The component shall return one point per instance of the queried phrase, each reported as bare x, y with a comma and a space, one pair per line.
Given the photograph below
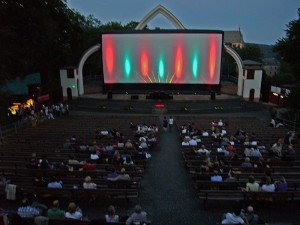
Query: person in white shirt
73, 212
235, 218
205, 133
171, 122
202, 150
268, 186
193, 142
88, 184
185, 142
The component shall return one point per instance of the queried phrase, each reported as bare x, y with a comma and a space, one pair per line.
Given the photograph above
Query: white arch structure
163, 11
149, 16
239, 63
84, 57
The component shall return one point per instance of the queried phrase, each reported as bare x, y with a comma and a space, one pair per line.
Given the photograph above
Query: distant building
234, 39
271, 66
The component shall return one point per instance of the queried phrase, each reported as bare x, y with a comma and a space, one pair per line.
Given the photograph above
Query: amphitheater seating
231, 191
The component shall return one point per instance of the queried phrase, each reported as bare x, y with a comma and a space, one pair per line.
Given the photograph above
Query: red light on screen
178, 62
212, 56
109, 58
144, 64
159, 106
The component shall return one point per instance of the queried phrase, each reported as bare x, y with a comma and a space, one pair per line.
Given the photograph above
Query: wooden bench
228, 195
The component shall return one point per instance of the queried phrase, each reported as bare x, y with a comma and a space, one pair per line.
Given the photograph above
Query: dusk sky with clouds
260, 21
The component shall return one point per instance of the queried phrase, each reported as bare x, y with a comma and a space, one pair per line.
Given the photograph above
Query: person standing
171, 122
165, 124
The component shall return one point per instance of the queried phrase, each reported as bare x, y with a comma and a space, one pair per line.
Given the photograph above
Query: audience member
113, 175
137, 216
216, 177
251, 217
281, 185
235, 218
55, 183
26, 210
89, 166
247, 163
268, 186
252, 185
111, 216
277, 149
73, 212
88, 184
55, 213
123, 175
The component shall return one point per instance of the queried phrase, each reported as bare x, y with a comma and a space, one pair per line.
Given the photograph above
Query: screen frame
146, 88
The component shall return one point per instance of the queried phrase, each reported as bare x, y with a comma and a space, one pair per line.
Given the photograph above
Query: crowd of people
42, 212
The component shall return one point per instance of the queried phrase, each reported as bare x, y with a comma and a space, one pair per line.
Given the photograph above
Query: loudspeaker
109, 95
134, 97
212, 95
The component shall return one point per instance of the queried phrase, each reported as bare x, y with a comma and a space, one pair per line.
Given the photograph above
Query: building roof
233, 37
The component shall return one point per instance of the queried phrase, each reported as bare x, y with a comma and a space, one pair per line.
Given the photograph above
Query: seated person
234, 218
55, 183
73, 212
88, 184
205, 133
250, 216
254, 152
193, 142
72, 160
231, 177
123, 175
281, 185
277, 149
94, 156
34, 162
113, 175
268, 186
111, 216
89, 166
185, 142
109, 149
55, 213
220, 123
203, 150
247, 163
129, 145
120, 144
128, 160
251, 185
137, 216
26, 210
216, 177
223, 150
103, 132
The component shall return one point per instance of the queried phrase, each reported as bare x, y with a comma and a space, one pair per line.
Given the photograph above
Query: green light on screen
127, 67
195, 66
73, 86
161, 68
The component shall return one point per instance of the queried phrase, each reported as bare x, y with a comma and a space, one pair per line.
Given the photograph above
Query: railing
13, 128
293, 125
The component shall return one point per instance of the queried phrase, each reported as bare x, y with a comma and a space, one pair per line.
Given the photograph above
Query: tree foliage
250, 52
44, 36
288, 47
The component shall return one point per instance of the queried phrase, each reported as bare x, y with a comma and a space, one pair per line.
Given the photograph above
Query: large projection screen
165, 60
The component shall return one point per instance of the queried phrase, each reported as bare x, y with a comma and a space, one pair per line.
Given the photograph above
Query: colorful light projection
169, 58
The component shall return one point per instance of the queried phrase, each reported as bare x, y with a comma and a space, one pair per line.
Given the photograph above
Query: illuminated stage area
168, 60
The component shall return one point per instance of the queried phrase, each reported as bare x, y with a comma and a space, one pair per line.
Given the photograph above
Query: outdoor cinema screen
174, 57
